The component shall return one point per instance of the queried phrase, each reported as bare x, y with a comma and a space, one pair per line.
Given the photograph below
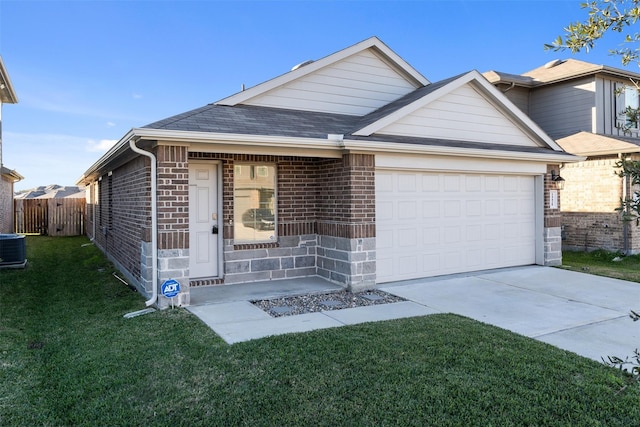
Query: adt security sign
170, 288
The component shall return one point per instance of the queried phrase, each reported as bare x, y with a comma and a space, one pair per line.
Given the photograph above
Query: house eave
313, 146
7, 93
601, 70
11, 175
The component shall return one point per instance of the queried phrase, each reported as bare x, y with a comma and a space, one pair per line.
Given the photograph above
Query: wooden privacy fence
53, 217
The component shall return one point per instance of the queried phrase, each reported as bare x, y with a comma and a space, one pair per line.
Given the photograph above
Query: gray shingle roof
252, 120
268, 121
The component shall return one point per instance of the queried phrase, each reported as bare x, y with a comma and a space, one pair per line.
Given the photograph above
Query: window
254, 202
631, 107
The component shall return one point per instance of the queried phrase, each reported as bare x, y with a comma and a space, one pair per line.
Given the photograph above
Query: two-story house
7, 176
583, 107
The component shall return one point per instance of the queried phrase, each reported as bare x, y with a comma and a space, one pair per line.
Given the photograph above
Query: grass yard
68, 357
602, 263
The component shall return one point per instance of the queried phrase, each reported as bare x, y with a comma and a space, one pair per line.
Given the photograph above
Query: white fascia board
491, 93
398, 148
223, 141
118, 148
176, 136
609, 152
373, 42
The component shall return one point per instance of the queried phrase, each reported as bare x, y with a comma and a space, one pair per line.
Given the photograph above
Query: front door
204, 231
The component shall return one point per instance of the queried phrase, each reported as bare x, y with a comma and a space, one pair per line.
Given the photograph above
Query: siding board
463, 114
564, 108
340, 88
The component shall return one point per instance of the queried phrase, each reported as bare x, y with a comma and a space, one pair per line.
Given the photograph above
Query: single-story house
353, 167
8, 177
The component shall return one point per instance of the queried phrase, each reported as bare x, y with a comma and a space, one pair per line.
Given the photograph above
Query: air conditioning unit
13, 251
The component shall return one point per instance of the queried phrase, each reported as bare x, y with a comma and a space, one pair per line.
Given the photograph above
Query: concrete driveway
582, 313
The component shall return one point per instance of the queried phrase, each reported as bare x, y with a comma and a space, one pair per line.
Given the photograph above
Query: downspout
154, 220
625, 224
513, 84
95, 205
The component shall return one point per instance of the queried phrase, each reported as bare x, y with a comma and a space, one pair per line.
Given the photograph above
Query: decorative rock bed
290, 306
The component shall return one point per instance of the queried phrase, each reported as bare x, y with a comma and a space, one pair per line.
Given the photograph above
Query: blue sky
86, 72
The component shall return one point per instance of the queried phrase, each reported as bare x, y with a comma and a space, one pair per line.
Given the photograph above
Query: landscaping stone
289, 306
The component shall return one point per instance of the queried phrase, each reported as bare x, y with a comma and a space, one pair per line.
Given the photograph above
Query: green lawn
602, 263
68, 357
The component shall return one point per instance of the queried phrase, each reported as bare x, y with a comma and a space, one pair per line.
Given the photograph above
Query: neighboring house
354, 168
52, 191
7, 176
582, 106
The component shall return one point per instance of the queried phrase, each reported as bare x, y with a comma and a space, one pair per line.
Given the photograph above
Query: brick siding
589, 220
173, 197
316, 198
122, 206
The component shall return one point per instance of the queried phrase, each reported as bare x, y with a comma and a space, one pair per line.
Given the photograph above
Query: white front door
204, 227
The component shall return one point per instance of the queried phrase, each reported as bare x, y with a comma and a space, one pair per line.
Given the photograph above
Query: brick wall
317, 199
591, 195
173, 197
122, 205
346, 204
586, 231
591, 186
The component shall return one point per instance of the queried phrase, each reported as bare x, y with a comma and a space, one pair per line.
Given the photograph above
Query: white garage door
429, 224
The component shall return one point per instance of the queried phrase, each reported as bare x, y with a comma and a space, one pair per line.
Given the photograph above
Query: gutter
154, 219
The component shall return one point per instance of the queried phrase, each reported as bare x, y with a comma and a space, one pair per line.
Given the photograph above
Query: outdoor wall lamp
558, 180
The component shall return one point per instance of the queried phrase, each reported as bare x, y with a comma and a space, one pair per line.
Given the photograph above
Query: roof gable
465, 108
354, 81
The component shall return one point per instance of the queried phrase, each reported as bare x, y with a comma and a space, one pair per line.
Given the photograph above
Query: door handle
214, 230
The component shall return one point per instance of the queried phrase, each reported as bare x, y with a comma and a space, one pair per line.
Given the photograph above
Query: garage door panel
408, 264
473, 183
452, 208
430, 261
431, 209
431, 183
384, 211
430, 236
408, 209
474, 208
474, 233
384, 182
407, 183
408, 238
451, 183
442, 223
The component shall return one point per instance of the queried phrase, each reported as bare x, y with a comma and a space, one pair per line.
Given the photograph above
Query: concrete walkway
582, 313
